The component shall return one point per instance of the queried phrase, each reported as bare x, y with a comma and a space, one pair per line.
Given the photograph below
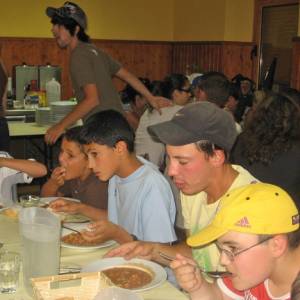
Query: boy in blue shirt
140, 200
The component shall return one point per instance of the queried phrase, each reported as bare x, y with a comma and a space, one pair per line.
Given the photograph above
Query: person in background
198, 140
269, 146
213, 87
258, 97
140, 201
91, 70
232, 103
257, 233
14, 171
246, 87
134, 104
176, 88
233, 99
4, 132
195, 88
73, 178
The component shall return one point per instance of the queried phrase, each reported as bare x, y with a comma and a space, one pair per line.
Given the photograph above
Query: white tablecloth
9, 235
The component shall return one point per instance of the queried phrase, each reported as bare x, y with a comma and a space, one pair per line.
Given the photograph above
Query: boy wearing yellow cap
257, 232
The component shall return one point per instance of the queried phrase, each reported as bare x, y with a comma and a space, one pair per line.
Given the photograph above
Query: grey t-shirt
90, 65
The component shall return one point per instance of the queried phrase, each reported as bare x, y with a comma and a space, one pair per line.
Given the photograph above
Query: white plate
47, 200
63, 103
160, 274
68, 218
85, 248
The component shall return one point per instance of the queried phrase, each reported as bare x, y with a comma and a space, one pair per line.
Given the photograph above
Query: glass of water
9, 271
29, 200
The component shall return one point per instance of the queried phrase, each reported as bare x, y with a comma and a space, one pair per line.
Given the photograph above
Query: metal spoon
212, 274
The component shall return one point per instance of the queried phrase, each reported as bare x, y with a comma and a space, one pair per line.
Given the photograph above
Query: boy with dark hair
140, 200
91, 70
73, 178
213, 87
257, 233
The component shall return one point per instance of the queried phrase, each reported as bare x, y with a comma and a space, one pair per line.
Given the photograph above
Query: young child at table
14, 171
140, 200
258, 236
73, 178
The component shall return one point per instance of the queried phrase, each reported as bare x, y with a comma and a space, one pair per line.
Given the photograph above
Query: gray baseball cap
196, 122
69, 10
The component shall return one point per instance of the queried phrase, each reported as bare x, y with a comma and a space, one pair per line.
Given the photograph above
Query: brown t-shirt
91, 191
90, 65
3, 82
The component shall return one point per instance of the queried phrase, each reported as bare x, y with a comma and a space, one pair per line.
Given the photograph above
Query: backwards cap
196, 122
69, 10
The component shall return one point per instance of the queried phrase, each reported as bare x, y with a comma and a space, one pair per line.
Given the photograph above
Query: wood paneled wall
295, 76
146, 59
230, 58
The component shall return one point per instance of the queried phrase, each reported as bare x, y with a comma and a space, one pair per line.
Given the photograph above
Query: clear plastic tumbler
40, 233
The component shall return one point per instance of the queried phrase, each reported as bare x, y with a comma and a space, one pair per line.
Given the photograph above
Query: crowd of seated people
154, 172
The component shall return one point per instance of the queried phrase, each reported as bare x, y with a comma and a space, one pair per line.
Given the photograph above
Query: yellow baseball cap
257, 208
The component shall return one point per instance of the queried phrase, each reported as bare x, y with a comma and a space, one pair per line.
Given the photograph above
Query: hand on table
63, 205
130, 250
101, 230
53, 133
187, 273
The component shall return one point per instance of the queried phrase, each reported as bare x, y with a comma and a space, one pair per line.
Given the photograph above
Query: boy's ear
279, 244
77, 28
121, 147
218, 158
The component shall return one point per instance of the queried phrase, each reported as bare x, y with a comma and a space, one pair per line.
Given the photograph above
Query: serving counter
9, 235
22, 129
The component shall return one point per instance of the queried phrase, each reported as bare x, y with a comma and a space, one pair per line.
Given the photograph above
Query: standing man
91, 70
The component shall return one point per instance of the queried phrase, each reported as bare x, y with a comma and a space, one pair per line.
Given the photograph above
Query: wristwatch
134, 237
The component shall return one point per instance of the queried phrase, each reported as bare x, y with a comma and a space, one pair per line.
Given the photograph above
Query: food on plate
11, 213
76, 239
77, 218
129, 276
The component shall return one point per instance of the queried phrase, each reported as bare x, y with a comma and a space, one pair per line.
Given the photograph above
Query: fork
72, 229
212, 274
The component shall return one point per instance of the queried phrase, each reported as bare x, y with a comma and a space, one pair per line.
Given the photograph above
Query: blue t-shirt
143, 204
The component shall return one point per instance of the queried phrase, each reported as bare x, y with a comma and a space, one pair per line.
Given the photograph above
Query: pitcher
40, 233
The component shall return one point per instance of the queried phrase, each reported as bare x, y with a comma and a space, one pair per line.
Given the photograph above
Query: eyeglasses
188, 90
232, 255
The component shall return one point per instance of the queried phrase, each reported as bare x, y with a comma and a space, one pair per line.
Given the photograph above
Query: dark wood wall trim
295, 76
230, 58
152, 59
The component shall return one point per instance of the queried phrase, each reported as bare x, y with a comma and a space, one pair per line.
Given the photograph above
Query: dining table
10, 237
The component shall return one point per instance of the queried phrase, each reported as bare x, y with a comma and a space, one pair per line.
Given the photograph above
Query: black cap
196, 122
69, 10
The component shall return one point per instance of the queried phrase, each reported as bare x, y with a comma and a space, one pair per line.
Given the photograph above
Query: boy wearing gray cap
198, 141
91, 70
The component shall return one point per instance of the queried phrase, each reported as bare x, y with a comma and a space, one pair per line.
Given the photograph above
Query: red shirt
260, 292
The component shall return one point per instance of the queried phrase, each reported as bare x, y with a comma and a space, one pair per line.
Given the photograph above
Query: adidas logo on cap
243, 222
